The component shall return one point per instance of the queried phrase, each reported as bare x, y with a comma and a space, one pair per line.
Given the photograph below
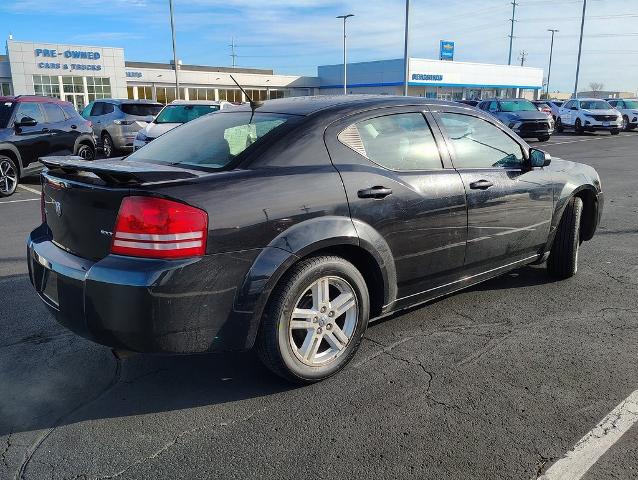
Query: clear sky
294, 36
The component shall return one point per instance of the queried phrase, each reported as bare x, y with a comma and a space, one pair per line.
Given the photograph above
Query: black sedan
289, 225
522, 116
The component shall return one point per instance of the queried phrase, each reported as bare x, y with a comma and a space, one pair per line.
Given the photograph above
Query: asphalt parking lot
497, 382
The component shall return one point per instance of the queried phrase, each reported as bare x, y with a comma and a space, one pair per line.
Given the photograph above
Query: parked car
628, 108
522, 116
471, 103
173, 115
116, 122
287, 226
589, 114
555, 106
34, 126
543, 107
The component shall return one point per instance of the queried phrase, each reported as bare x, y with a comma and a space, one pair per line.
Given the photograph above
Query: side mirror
539, 158
149, 118
26, 122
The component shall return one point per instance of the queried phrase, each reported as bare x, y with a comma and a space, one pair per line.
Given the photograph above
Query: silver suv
116, 122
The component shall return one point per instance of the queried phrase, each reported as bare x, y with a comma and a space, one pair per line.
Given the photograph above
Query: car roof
310, 105
32, 99
198, 102
120, 101
623, 98
590, 99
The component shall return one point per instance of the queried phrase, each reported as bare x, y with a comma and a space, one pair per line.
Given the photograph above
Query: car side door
510, 204
32, 141
95, 115
62, 139
403, 193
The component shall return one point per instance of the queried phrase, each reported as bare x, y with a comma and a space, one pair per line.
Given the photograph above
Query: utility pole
523, 57
580, 48
511, 35
345, 56
406, 58
551, 51
232, 50
170, 6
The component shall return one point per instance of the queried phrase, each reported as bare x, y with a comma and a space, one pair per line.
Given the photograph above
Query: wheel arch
12, 152
589, 221
319, 236
83, 140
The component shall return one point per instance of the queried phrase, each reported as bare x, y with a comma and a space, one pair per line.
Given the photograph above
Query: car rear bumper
144, 305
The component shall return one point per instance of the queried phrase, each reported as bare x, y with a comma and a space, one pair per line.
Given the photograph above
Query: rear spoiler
118, 171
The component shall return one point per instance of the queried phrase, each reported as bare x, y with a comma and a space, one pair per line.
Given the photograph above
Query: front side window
141, 109
479, 144
631, 104
212, 141
184, 113
398, 142
6, 108
29, 110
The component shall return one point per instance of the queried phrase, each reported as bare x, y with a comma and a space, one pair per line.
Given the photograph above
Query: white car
175, 114
628, 107
589, 114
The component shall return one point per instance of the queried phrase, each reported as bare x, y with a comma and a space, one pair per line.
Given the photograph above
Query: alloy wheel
323, 321
85, 152
8, 178
625, 123
107, 146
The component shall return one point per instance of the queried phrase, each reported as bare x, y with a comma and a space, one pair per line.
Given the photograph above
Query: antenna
232, 51
523, 57
253, 104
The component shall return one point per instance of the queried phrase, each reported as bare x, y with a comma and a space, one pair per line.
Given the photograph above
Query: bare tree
596, 86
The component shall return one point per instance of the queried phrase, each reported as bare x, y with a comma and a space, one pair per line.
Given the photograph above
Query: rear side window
398, 142
107, 108
212, 142
479, 144
53, 112
30, 110
141, 109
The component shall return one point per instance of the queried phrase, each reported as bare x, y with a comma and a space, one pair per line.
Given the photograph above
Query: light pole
170, 6
406, 59
580, 48
551, 52
345, 58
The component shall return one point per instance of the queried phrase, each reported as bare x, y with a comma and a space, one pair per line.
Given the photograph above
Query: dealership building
80, 74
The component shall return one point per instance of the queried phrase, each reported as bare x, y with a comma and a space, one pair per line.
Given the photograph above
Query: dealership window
5, 89
167, 94
98, 87
201, 94
46, 85
72, 84
258, 95
144, 93
230, 95
276, 94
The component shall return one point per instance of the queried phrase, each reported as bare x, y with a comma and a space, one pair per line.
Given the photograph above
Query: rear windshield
211, 142
141, 109
5, 113
518, 106
184, 113
594, 105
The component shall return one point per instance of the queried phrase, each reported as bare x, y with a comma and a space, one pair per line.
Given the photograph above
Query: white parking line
29, 189
581, 140
592, 446
16, 201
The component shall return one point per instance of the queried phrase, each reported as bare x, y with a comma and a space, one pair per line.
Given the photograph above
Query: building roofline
197, 68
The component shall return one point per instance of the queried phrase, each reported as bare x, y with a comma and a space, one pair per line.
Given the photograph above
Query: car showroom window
53, 112
479, 144
31, 110
398, 142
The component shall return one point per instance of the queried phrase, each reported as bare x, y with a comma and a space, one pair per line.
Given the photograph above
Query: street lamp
345, 63
406, 60
551, 51
170, 6
580, 48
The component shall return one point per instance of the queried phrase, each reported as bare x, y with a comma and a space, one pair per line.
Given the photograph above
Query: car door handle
374, 192
481, 185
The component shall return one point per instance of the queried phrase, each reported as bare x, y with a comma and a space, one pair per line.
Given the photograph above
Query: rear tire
544, 138
107, 145
615, 132
563, 257
319, 342
559, 125
87, 152
625, 123
9, 176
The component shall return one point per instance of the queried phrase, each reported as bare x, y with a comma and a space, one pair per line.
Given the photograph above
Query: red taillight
158, 228
90, 123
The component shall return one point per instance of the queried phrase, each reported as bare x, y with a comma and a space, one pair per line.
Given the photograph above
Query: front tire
563, 257
544, 138
559, 125
578, 127
85, 151
625, 123
615, 132
9, 176
315, 320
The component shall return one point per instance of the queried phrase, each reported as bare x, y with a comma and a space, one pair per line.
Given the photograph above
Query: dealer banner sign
67, 60
446, 50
